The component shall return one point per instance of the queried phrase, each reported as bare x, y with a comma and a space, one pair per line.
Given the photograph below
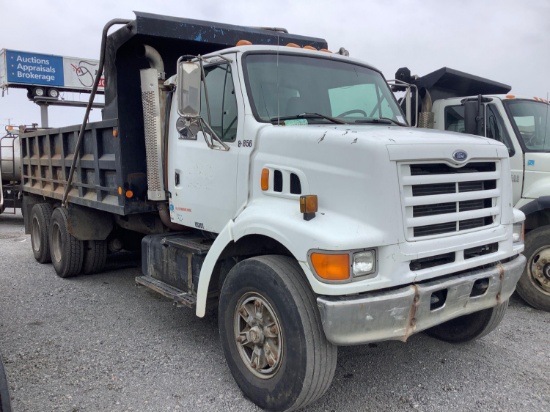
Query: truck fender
252, 221
536, 205
222, 240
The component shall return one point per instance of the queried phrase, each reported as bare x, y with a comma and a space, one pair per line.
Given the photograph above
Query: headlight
518, 233
342, 266
364, 263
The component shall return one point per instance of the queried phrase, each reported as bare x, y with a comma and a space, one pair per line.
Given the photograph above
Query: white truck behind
277, 182
461, 102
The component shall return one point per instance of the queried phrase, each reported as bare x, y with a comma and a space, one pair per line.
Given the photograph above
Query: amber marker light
308, 206
129, 194
119, 190
265, 179
244, 43
310, 48
325, 50
510, 96
331, 266
293, 45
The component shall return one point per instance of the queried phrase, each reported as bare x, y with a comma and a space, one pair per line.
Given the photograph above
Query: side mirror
188, 89
474, 117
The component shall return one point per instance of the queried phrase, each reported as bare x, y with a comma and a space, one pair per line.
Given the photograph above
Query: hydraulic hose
76, 156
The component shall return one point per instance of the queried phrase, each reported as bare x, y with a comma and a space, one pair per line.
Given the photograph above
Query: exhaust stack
152, 120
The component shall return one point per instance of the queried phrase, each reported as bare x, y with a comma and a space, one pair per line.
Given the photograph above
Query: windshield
531, 123
328, 90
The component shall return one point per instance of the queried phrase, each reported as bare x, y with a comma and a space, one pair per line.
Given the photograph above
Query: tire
41, 215
534, 284
5, 398
469, 327
66, 251
95, 255
298, 366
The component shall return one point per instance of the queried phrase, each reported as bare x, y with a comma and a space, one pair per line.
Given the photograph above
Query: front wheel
534, 284
272, 335
469, 327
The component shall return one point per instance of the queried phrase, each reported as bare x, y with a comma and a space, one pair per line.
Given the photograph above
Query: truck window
285, 85
494, 124
454, 118
531, 120
222, 101
359, 99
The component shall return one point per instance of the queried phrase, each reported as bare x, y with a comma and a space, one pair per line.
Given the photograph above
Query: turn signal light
331, 266
292, 45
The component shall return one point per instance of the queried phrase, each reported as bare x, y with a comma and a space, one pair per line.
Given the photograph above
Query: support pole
43, 114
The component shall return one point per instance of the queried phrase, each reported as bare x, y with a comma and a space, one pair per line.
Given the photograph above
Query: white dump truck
273, 180
465, 103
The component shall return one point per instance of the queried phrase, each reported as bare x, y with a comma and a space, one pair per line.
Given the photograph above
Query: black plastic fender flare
536, 205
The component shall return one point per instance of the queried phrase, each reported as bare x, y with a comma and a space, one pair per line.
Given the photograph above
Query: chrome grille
440, 199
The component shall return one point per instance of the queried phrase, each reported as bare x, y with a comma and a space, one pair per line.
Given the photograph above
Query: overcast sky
504, 40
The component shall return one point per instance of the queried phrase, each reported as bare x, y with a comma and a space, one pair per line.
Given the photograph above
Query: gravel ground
99, 343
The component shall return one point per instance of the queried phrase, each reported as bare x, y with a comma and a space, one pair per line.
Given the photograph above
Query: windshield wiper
308, 116
381, 120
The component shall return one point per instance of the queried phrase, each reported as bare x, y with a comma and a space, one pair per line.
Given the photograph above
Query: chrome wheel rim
258, 335
539, 269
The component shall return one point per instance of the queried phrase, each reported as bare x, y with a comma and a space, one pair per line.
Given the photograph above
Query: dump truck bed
104, 178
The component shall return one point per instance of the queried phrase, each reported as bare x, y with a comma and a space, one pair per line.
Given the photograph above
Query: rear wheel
95, 255
41, 214
469, 327
66, 251
272, 335
534, 284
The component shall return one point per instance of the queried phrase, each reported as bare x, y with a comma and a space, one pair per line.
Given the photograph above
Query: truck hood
355, 172
392, 135
401, 142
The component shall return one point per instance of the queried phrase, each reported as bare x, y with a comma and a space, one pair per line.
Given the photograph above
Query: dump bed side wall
47, 156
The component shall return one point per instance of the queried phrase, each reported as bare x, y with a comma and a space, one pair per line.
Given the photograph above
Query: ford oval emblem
460, 155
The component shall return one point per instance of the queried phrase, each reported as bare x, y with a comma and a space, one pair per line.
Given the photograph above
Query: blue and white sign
18, 69
32, 68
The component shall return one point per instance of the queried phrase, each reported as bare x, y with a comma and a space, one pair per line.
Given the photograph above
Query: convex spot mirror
188, 89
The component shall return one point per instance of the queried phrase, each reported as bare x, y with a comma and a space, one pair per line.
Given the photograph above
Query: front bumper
396, 314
